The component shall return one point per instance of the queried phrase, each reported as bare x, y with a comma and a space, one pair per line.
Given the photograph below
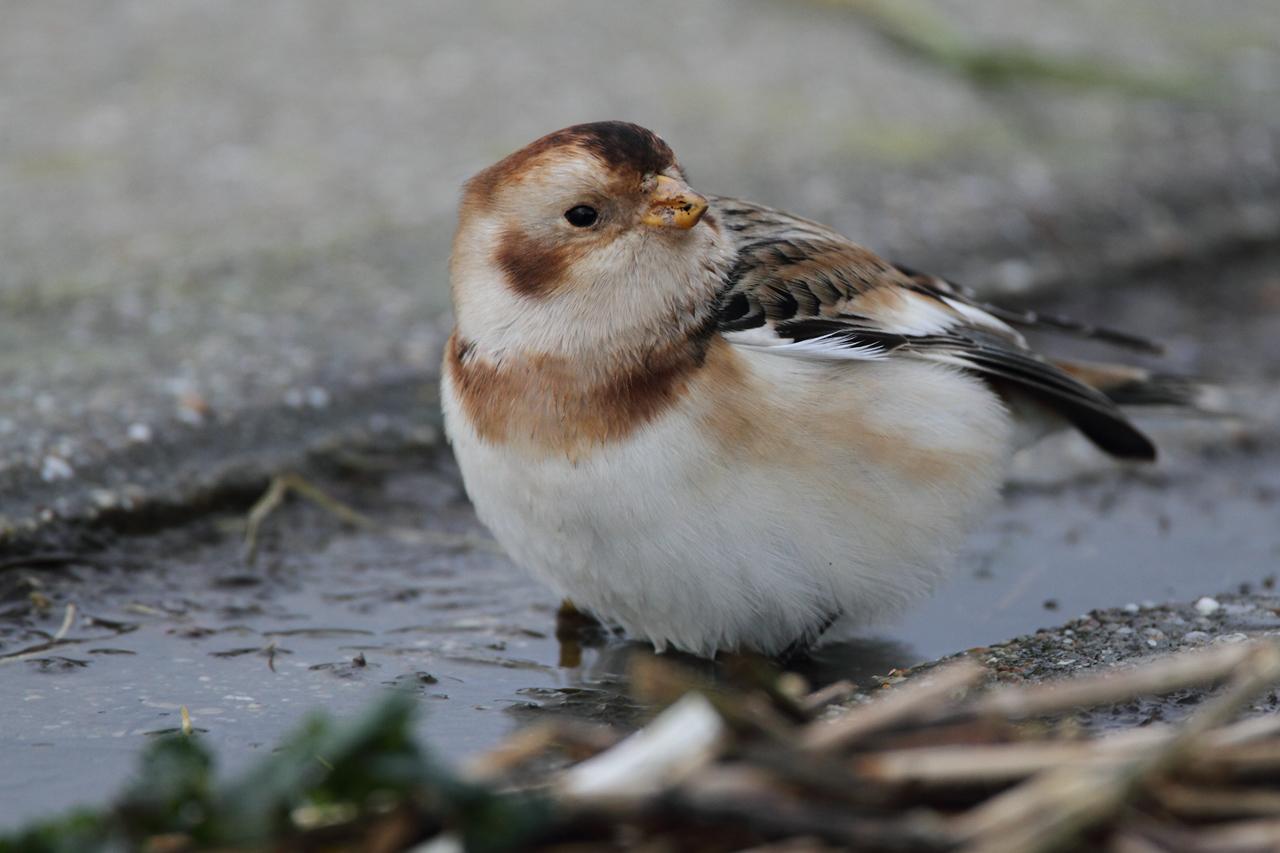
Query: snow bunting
718, 425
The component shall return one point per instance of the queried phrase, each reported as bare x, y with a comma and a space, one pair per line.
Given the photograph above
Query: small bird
723, 427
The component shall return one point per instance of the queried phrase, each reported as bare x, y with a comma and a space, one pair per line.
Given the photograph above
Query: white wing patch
914, 316
826, 348
983, 320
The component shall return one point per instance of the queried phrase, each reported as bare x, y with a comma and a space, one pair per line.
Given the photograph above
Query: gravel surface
1111, 639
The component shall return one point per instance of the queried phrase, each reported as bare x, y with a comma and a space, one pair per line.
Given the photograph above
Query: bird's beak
673, 205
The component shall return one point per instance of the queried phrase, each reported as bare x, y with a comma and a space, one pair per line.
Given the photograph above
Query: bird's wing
1034, 319
799, 289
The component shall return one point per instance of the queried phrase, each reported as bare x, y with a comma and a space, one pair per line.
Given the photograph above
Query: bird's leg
574, 629
800, 649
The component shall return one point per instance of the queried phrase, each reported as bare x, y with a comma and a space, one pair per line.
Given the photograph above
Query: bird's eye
581, 216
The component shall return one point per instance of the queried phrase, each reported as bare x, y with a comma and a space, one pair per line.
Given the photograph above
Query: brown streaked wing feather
803, 282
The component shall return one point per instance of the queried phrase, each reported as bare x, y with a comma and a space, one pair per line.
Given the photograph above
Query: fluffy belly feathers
777, 494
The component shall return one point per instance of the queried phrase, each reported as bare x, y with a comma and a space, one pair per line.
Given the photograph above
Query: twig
1243, 837
533, 741
47, 560
1055, 808
1157, 677
686, 736
907, 704
1247, 760
273, 498
68, 619
986, 764
32, 651
829, 695
258, 513
1220, 752
744, 798
282, 484
1201, 803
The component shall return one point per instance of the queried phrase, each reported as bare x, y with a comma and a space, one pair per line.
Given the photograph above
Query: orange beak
673, 205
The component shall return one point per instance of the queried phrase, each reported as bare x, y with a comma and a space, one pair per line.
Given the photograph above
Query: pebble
104, 498
1207, 606
1195, 637
54, 468
139, 433
317, 397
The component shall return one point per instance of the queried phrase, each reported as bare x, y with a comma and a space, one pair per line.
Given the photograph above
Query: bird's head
586, 241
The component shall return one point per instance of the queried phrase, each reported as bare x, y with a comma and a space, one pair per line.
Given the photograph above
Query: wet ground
224, 253
331, 614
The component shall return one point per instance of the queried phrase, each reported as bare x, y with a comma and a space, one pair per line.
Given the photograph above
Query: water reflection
605, 670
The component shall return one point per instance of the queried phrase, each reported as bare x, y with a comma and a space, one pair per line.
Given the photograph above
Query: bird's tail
1126, 385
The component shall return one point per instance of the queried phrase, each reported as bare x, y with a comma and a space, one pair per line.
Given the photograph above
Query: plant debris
947, 760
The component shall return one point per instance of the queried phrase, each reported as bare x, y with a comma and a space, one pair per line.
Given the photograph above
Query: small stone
139, 433
1130, 608
317, 397
54, 468
1195, 637
190, 417
1236, 637
1207, 606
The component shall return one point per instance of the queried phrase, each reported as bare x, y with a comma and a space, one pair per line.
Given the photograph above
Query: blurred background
224, 231
237, 201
